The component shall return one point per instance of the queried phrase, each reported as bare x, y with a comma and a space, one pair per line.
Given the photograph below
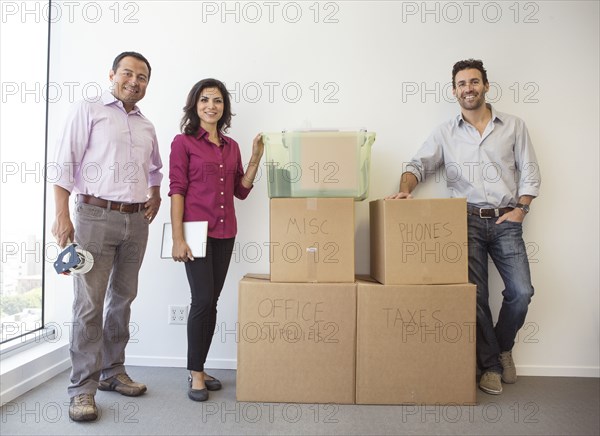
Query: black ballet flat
196, 394
212, 385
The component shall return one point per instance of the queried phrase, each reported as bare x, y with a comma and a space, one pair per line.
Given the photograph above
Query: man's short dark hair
475, 64
133, 54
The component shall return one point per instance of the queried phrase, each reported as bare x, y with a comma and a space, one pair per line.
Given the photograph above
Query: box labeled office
296, 341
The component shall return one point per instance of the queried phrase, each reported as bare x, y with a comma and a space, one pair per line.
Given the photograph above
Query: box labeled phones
419, 241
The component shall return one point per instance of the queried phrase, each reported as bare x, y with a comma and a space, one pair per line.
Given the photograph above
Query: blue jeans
504, 243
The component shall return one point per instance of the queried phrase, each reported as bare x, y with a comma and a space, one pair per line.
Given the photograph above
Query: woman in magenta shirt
206, 172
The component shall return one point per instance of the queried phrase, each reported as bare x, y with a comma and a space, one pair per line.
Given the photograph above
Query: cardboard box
419, 241
415, 344
312, 240
296, 341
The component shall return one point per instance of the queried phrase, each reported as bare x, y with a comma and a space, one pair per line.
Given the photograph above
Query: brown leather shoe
123, 384
490, 383
509, 372
83, 408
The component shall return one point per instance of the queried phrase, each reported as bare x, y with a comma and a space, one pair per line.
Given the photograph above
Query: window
24, 45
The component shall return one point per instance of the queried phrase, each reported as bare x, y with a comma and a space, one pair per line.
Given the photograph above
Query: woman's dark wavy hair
466, 65
190, 122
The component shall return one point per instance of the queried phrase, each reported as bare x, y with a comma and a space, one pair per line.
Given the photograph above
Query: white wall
384, 66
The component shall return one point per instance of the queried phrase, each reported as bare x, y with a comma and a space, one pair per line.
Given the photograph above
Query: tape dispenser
74, 260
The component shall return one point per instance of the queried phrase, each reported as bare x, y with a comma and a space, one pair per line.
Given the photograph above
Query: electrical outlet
178, 314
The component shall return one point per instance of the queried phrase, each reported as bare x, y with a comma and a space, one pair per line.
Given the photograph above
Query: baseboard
558, 371
29, 369
524, 370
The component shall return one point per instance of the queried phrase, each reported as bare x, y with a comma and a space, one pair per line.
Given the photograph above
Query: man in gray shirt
489, 159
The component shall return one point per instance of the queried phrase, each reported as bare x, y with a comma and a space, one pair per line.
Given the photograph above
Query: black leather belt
488, 213
114, 205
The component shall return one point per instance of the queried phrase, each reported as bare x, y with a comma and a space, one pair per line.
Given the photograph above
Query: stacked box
311, 333
415, 344
416, 327
313, 178
419, 242
312, 240
297, 341
295, 323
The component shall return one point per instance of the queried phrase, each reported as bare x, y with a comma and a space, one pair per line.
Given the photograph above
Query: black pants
206, 276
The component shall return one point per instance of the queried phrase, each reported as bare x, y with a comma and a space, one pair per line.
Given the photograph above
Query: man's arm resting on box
408, 182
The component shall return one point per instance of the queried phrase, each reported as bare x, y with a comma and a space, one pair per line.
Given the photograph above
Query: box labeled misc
296, 341
318, 163
415, 344
312, 240
419, 241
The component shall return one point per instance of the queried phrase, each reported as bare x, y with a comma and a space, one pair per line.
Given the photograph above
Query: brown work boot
83, 408
490, 383
123, 384
509, 372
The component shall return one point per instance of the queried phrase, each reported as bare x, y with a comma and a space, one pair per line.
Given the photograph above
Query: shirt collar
495, 116
108, 98
204, 134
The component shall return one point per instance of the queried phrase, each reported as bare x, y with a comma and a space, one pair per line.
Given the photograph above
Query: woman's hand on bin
258, 147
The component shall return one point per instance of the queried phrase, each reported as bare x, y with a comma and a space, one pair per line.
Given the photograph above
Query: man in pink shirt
109, 156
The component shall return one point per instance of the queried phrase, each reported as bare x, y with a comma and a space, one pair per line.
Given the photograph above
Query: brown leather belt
114, 205
488, 213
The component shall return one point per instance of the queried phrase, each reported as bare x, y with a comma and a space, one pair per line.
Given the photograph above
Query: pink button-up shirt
108, 153
208, 177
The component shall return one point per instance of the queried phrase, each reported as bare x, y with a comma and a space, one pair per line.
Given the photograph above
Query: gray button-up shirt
490, 170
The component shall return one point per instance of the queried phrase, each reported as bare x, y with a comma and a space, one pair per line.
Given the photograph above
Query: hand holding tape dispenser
74, 260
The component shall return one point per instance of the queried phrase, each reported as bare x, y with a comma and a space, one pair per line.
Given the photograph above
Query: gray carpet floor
533, 406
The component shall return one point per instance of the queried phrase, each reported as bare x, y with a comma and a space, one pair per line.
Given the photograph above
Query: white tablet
194, 232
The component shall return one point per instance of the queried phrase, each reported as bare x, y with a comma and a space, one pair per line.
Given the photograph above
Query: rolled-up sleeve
427, 159
527, 164
178, 167
155, 175
240, 191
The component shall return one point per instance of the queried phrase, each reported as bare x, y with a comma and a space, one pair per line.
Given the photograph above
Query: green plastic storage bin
318, 163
